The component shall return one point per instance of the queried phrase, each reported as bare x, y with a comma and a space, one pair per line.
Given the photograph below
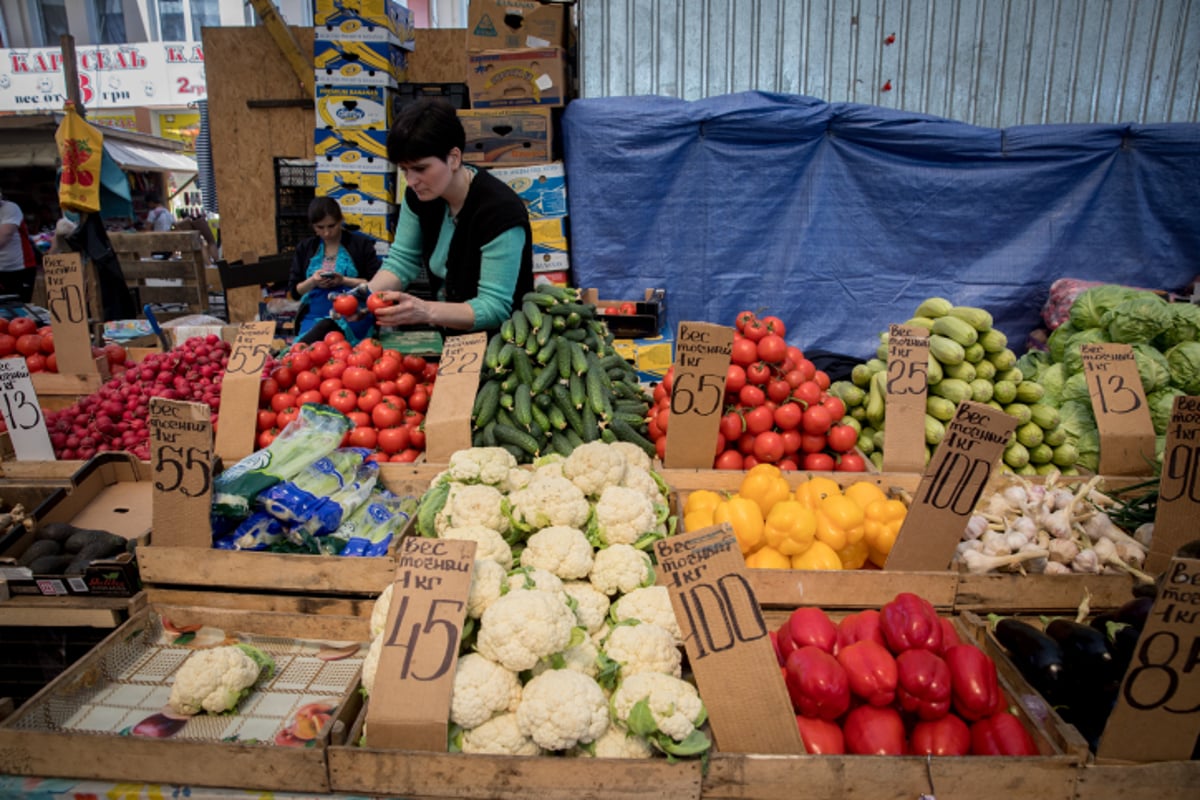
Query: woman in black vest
469, 230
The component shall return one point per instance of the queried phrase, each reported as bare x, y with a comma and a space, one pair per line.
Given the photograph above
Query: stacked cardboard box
360, 51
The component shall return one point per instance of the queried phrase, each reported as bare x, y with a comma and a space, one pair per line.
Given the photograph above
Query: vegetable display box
109, 493
632, 319
202, 567
109, 716
470, 775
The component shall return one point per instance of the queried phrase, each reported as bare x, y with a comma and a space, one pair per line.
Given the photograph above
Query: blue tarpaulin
841, 218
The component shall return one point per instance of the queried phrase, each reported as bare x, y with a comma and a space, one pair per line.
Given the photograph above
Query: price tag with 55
181, 447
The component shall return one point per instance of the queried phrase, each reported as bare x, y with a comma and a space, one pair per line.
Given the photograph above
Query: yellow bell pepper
883, 521
701, 500
745, 518
839, 522
854, 555
864, 493
768, 558
790, 528
695, 520
766, 486
814, 490
819, 556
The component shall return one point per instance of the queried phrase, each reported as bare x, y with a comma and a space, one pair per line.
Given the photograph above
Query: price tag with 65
23, 413
702, 353
181, 456
413, 683
1119, 403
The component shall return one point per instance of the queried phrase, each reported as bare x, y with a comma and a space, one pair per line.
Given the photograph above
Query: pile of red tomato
24, 337
384, 394
777, 408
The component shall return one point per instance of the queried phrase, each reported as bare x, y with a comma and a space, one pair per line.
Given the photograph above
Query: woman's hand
403, 309
329, 280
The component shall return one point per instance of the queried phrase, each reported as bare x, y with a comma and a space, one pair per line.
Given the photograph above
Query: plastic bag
325, 516
369, 530
257, 532
291, 502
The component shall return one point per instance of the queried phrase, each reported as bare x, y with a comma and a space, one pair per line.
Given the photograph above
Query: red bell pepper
821, 737
924, 684
857, 627
975, 690
949, 635
874, 731
817, 683
909, 622
1001, 735
809, 626
872, 671
948, 736
779, 655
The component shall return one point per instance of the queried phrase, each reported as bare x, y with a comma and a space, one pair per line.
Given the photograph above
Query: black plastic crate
455, 94
290, 231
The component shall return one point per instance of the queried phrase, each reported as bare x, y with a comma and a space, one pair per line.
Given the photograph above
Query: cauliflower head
217, 678
548, 501
518, 478
488, 542
370, 664
581, 658
379, 612
650, 702
560, 549
641, 647
623, 515
487, 584
482, 689
467, 504
644, 482
499, 736
593, 467
562, 708
526, 578
488, 465
616, 743
591, 606
520, 628
621, 568
651, 604
634, 456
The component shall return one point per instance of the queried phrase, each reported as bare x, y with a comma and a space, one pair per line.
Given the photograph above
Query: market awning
132, 156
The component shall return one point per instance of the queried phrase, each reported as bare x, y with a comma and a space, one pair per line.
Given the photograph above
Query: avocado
84, 538
56, 531
42, 547
49, 565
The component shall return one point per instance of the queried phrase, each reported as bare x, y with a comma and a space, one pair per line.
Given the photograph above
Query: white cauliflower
488, 542
641, 480
216, 679
487, 584
581, 658
526, 578
616, 743
518, 478
591, 606
651, 604
371, 664
559, 549
379, 612
674, 705
634, 456
593, 467
621, 568
562, 708
522, 627
499, 736
641, 647
549, 466
547, 501
482, 689
477, 504
488, 465
623, 515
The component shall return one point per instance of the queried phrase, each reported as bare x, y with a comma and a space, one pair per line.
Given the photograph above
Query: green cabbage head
1152, 367
1161, 403
1092, 304
1137, 319
1184, 362
1184, 327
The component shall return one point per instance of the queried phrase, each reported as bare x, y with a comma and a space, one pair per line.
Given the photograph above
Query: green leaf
702, 717
609, 673
556, 661
432, 503
697, 742
649, 577
646, 541
593, 531
1111, 629
184, 638
454, 737
578, 636
641, 719
589, 748
663, 488
661, 512
573, 604
266, 664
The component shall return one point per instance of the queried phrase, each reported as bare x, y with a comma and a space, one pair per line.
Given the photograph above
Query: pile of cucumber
551, 381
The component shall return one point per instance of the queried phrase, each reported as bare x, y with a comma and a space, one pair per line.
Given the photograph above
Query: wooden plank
1001, 592
1164, 781
440, 56
141, 270
40, 470
55, 383
143, 245
263, 603
189, 295
855, 588
23, 617
320, 627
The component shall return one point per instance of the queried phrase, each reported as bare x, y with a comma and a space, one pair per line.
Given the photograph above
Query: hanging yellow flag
80, 147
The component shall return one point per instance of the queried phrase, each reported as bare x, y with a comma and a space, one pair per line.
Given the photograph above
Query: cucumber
561, 444
544, 332
520, 328
491, 356
564, 358
595, 391
486, 403
556, 416
562, 294
505, 357
507, 332
522, 367
578, 359
533, 313
540, 418
546, 353
506, 434
544, 380
591, 427
627, 434
523, 405
562, 399
578, 390
540, 299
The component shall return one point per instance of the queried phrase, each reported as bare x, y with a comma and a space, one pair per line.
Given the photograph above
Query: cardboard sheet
702, 353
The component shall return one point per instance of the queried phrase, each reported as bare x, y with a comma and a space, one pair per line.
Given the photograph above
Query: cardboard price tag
240, 386
66, 301
702, 353
727, 642
907, 385
1179, 485
410, 706
1157, 715
448, 421
23, 413
951, 487
181, 456
1119, 403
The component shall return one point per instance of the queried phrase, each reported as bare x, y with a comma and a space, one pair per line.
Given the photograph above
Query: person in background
467, 228
158, 218
18, 263
334, 261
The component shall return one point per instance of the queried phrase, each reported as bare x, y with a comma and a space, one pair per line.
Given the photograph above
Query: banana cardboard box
507, 136
356, 107
502, 78
550, 245
375, 219
364, 21
344, 63
543, 188
512, 24
355, 151
356, 191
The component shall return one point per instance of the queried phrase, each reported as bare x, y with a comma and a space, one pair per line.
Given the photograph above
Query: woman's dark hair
323, 207
152, 197
427, 127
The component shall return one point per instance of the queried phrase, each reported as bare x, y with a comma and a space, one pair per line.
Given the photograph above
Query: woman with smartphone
333, 261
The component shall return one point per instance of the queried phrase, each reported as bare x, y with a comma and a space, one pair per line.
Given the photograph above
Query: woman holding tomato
333, 262
467, 229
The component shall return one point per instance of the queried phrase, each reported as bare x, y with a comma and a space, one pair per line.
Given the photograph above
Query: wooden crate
57, 390
210, 569
462, 775
31, 745
1005, 592
69, 611
187, 273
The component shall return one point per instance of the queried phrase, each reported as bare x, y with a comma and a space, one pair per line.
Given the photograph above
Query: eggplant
1086, 657
1122, 643
1135, 612
1038, 657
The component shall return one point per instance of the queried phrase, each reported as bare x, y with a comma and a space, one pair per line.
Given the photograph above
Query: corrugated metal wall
989, 62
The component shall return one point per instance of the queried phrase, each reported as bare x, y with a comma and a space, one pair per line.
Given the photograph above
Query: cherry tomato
299, 362
751, 396
744, 352
772, 348
759, 419
774, 325
281, 401
333, 368
358, 378
758, 373
811, 443
808, 393
842, 438
405, 384
730, 459
851, 462
345, 304
735, 378
791, 441
778, 390
419, 400
319, 353
329, 386
731, 426
344, 400
360, 358
742, 320
788, 416
768, 447
627, 309
820, 462
393, 439
387, 415
376, 302
369, 398
754, 330
816, 420
307, 380
386, 369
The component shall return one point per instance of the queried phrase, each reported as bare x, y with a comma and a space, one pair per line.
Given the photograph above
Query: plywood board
440, 56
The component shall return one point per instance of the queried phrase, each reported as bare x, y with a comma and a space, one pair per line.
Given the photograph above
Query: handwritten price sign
67, 302
23, 413
1119, 403
702, 352
1179, 485
448, 422
907, 384
240, 387
181, 455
